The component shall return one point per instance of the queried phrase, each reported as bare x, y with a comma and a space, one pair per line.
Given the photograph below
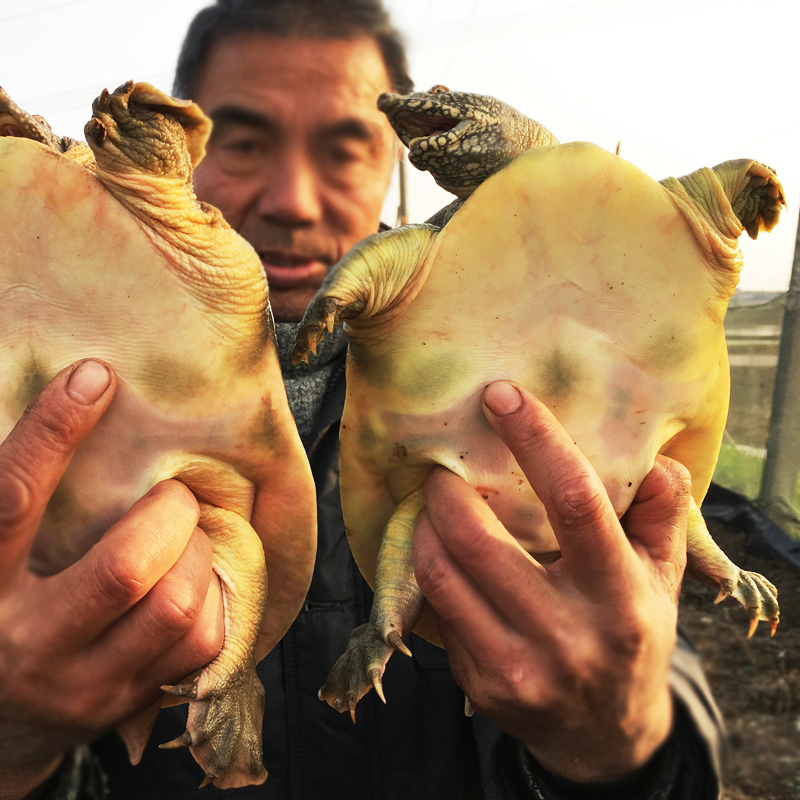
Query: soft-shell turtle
461, 138
570, 272
117, 260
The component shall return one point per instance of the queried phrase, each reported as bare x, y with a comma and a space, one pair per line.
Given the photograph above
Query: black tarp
764, 537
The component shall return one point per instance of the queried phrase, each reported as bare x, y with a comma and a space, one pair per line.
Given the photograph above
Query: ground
755, 681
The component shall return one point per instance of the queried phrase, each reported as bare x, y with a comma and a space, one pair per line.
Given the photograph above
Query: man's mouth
290, 271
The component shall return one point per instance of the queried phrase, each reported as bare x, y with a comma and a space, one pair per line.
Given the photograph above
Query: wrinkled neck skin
490, 142
714, 225
219, 266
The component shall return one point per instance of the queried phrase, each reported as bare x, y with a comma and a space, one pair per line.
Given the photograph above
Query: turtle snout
387, 101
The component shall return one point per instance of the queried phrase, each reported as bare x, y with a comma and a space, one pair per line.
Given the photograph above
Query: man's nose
291, 193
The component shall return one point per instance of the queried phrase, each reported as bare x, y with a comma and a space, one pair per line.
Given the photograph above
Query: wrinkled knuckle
633, 635
54, 428
476, 541
432, 578
17, 503
579, 503
532, 435
117, 580
175, 611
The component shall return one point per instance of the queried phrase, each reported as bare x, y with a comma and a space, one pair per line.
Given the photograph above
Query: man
568, 667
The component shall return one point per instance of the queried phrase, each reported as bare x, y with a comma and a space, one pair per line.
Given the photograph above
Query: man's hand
85, 649
572, 657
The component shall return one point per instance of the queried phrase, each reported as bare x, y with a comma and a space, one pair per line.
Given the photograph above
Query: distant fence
752, 330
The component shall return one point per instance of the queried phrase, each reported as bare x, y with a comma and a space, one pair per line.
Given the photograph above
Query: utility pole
402, 209
782, 463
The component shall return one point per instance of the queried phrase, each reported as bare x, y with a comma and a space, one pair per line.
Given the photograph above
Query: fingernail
502, 398
88, 382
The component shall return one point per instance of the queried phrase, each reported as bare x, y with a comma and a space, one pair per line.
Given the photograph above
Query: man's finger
163, 616
656, 520
454, 597
36, 453
510, 580
118, 571
576, 502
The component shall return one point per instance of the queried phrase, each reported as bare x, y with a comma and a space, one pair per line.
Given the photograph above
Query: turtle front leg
396, 609
226, 699
375, 276
707, 563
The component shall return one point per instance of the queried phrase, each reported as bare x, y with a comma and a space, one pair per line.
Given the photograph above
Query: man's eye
242, 148
338, 154
239, 155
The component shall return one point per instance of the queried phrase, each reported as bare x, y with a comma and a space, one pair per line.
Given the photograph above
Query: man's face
300, 158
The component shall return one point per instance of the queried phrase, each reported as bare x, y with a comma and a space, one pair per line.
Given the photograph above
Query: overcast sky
681, 83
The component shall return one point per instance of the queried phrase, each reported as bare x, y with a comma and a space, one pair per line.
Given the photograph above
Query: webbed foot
322, 316
708, 563
223, 731
361, 667
758, 596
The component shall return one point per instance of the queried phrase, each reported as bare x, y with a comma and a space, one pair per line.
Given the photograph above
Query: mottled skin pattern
459, 137
120, 262
16, 122
569, 272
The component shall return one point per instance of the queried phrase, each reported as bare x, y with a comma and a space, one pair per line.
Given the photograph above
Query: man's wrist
653, 779
26, 783
610, 763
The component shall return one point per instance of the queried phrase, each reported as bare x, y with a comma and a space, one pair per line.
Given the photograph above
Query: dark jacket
420, 746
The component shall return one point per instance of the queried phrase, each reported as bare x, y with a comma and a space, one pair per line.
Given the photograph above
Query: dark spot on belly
559, 373
170, 379
33, 379
399, 452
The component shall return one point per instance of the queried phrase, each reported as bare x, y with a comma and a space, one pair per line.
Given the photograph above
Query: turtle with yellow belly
574, 274
106, 253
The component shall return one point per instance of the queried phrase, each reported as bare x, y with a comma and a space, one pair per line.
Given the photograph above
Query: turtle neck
306, 383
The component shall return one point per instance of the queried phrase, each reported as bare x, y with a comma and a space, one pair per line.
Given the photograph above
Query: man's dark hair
321, 19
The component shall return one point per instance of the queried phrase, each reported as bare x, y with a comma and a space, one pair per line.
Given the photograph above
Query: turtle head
139, 128
459, 137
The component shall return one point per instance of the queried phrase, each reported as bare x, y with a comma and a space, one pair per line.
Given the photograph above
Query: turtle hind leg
358, 670
226, 699
223, 731
396, 609
707, 563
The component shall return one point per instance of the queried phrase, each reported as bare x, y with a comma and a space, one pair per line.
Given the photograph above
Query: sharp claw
184, 740
375, 677
182, 690
468, 709
773, 625
352, 703
396, 641
206, 781
753, 626
724, 591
